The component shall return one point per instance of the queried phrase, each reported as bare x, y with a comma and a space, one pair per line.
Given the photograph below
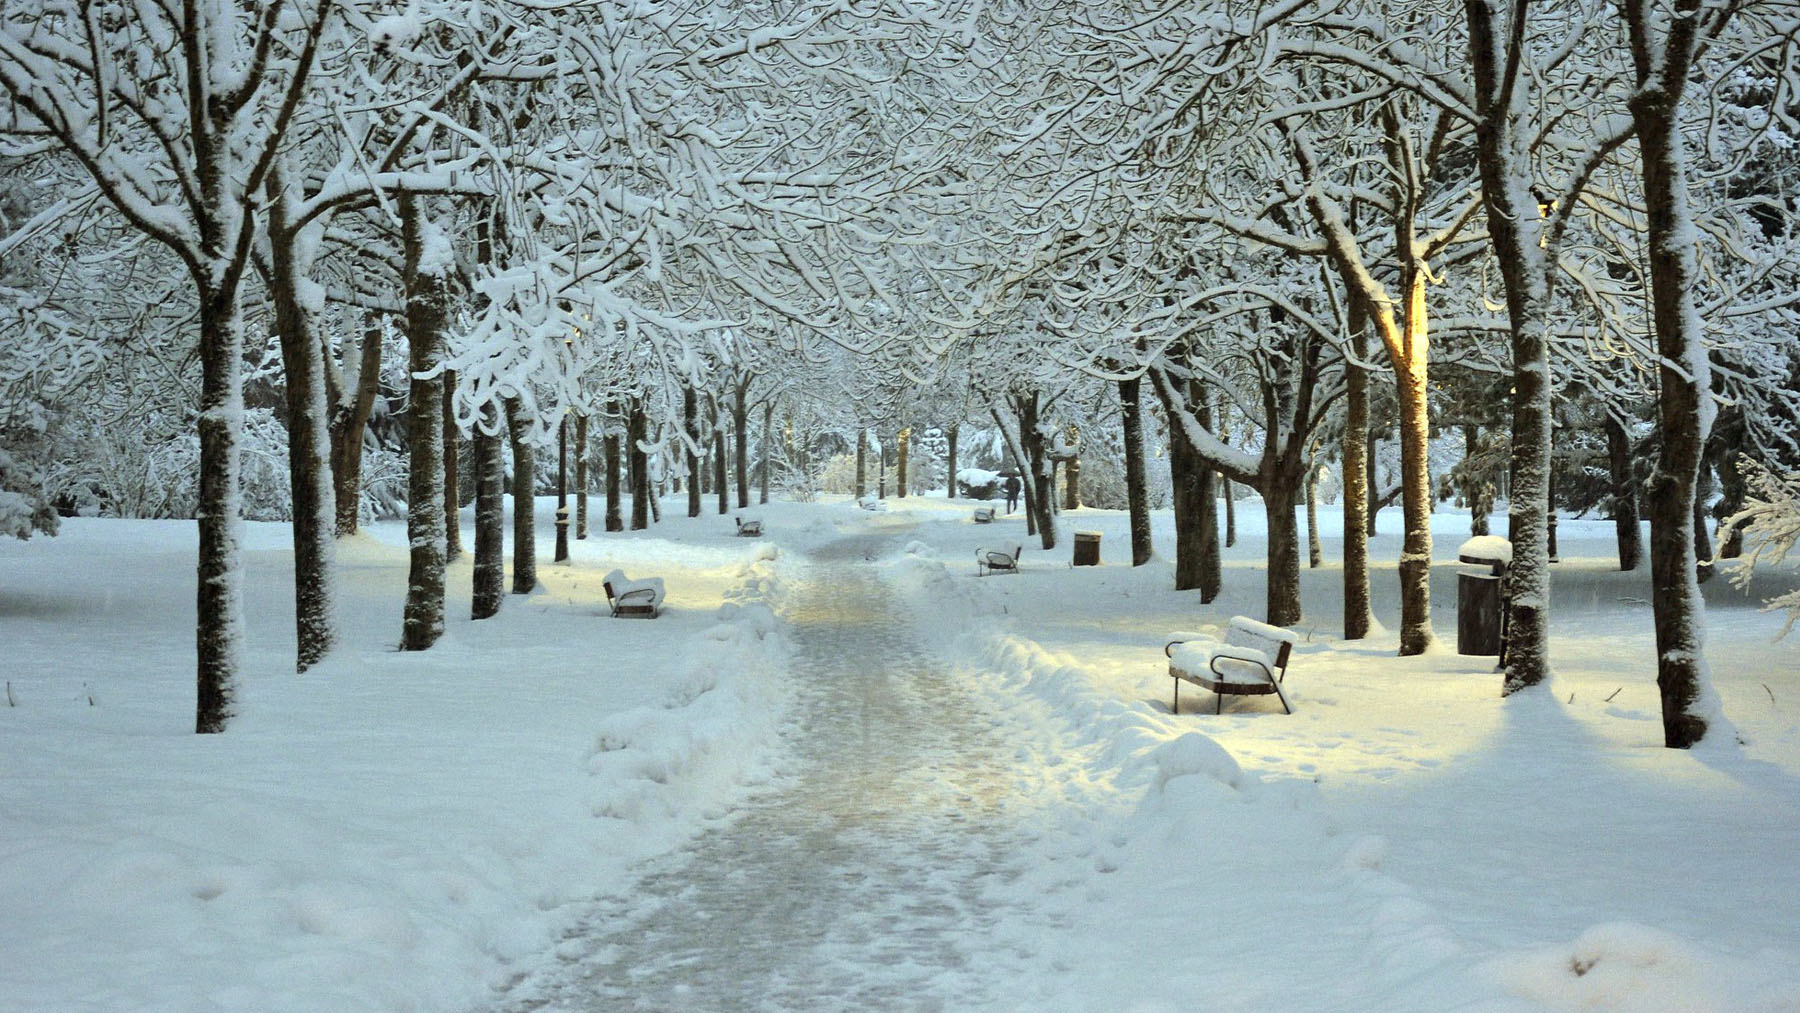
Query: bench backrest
1001, 558
1277, 647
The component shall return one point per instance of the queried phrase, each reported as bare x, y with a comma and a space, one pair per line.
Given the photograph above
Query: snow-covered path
859, 881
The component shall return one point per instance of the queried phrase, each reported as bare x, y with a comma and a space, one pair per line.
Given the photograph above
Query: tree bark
1315, 553
1037, 485
453, 547
309, 474
719, 484
1703, 549
768, 448
1225, 492
862, 456
901, 440
349, 421
1372, 485
427, 315
740, 435
581, 476
1474, 483
219, 606
614, 519
1683, 372
1072, 483
524, 568
950, 481
1137, 484
1624, 494
490, 516
690, 424
1518, 237
1415, 550
637, 428
1197, 563
1356, 483
1281, 495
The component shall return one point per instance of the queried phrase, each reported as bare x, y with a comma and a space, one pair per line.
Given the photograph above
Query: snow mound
1628, 966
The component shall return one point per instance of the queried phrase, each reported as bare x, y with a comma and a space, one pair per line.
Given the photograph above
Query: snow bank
388, 831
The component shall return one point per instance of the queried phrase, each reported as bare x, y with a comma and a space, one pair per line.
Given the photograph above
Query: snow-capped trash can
1481, 597
1087, 548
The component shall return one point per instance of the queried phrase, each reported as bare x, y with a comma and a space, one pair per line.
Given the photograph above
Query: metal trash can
1087, 548
1481, 597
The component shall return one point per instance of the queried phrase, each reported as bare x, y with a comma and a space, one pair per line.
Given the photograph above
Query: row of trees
1237, 231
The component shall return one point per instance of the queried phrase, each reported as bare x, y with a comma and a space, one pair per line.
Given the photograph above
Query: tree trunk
900, 453
1281, 495
1683, 372
1518, 238
1356, 483
453, 548
637, 428
1038, 492
490, 516
1624, 494
349, 421
768, 448
309, 475
951, 464
740, 435
581, 476
1315, 553
690, 424
614, 519
427, 315
219, 604
1372, 485
1197, 562
1137, 485
524, 566
719, 484
1072, 484
862, 457
1703, 550
1415, 550
1474, 483
1225, 491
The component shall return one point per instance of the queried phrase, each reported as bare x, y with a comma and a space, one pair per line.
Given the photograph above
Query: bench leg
1175, 708
1218, 703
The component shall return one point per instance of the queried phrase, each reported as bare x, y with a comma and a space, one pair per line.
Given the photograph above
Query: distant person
1012, 492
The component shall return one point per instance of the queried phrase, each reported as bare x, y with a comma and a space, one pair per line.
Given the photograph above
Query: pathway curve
859, 884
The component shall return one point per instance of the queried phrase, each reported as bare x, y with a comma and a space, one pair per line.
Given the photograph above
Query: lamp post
562, 490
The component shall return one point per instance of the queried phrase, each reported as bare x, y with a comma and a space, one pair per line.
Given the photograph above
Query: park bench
871, 503
997, 561
984, 515
1251, 660
749, 529
633, 599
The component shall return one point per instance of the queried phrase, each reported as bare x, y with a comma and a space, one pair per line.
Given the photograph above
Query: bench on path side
871, 503
748, 529
1252, 660
633, 599
997, 561
984, 515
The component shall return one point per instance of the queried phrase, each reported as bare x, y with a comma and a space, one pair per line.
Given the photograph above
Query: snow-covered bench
1251, 660
749, 529
633, 598
871, 503
997, 561
984, 515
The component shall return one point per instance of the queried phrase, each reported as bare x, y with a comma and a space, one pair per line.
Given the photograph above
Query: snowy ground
842, 772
